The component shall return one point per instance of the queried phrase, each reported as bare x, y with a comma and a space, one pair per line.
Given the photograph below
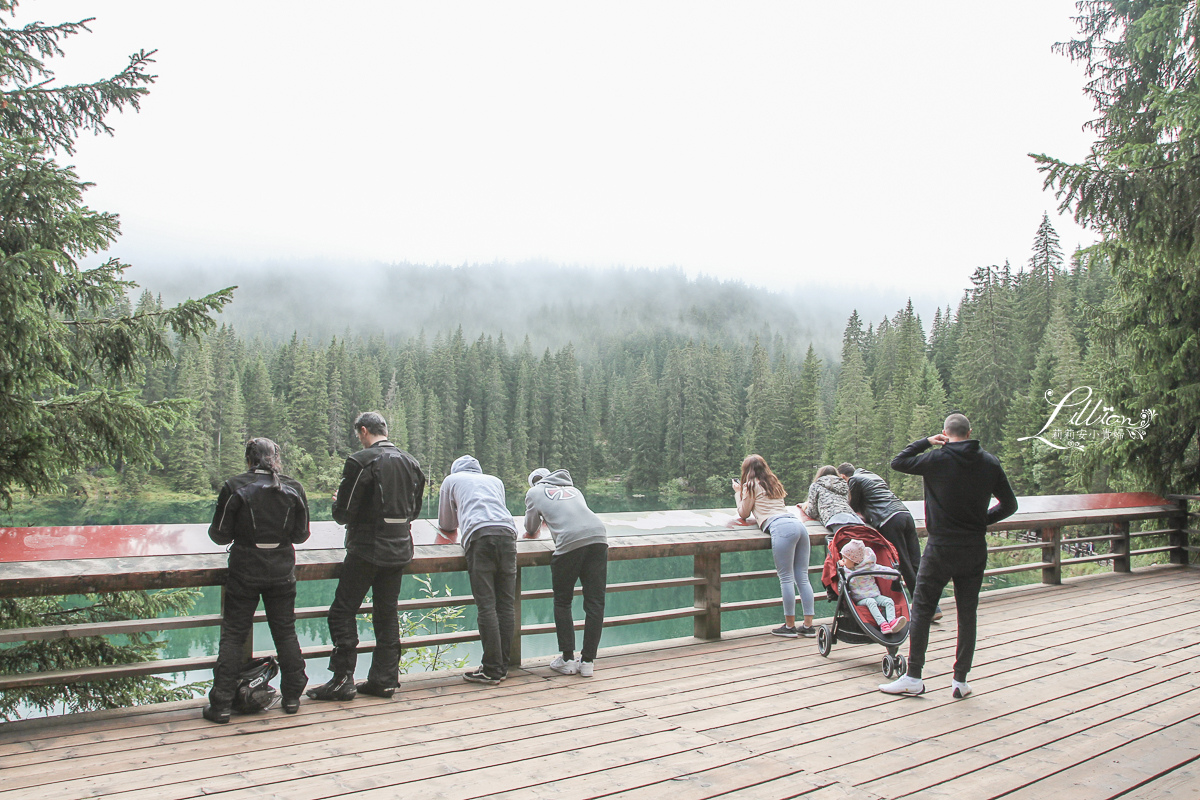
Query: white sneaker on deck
586, 668
960, 689
904, 685
564, 667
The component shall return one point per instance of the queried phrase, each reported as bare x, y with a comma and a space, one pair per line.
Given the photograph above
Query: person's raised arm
909, 460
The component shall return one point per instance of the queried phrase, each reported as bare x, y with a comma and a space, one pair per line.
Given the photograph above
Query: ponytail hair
263, 453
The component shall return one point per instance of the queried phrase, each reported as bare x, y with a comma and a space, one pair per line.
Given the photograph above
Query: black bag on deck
254, 691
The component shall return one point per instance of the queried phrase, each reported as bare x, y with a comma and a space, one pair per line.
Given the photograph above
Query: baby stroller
854, 623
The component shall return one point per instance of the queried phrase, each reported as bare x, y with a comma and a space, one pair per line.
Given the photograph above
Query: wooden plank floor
1086, 690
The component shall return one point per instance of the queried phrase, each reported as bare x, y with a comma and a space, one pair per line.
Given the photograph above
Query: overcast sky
881, 144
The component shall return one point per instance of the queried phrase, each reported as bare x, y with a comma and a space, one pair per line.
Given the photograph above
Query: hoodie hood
465, 464
967, 451
834, 484
560, 477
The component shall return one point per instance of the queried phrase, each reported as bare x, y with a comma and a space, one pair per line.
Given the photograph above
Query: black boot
375, 690
291, 705
339, 687
219, 715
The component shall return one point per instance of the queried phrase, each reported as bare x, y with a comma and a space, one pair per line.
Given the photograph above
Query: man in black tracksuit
874, 501
262, 515
960, 480
379, 496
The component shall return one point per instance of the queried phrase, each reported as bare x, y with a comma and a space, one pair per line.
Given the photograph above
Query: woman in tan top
760, 494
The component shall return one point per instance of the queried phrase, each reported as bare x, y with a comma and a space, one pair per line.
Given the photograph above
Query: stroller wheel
901, 665
888, 666
824, 640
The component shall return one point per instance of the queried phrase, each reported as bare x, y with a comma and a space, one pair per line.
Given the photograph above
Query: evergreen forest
659, 410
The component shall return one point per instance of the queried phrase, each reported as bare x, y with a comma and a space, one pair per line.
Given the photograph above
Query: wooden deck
1086, 690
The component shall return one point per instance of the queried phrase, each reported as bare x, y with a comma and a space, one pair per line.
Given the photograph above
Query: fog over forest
552, 304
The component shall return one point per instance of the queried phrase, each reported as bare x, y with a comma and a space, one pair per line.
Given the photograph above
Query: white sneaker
903, 685
960, 689
565, 667
585, 669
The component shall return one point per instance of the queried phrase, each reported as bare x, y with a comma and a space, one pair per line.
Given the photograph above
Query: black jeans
241, 601
359, 575
492, 568
901, 531
588, 565
941, 564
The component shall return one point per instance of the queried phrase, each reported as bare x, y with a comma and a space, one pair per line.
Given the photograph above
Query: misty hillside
551, 304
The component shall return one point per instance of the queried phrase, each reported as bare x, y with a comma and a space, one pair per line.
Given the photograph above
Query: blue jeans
790, 548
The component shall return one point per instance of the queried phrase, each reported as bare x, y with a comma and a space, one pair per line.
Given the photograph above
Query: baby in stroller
875, 579
857, 558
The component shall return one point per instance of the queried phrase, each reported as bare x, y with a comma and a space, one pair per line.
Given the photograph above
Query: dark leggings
588, 565
941, 564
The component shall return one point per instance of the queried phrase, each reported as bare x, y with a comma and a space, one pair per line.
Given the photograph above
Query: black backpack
254, 691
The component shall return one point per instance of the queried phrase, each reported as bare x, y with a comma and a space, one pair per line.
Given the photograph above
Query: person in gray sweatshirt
474, 504
580, 554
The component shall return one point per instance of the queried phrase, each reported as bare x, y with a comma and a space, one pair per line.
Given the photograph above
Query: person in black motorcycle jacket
379, 496
261, 515
875, 502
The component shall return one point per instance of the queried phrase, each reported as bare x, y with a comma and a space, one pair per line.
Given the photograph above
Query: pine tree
259, 404
1139, 189
646, 431
68, 366
808, 422
189, 458
986, 367
854, 416
229, 412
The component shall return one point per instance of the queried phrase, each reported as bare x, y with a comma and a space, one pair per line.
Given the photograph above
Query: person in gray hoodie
580, 554
473, 504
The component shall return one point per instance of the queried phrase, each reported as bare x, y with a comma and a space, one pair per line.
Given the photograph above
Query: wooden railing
703, 535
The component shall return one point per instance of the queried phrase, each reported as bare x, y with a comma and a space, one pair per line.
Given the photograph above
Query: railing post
514, 652
707, 595
1052, 553
248, 645
1178, 536
1120, 547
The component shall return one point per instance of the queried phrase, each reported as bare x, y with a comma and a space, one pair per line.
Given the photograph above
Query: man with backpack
261, 515
379, 497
